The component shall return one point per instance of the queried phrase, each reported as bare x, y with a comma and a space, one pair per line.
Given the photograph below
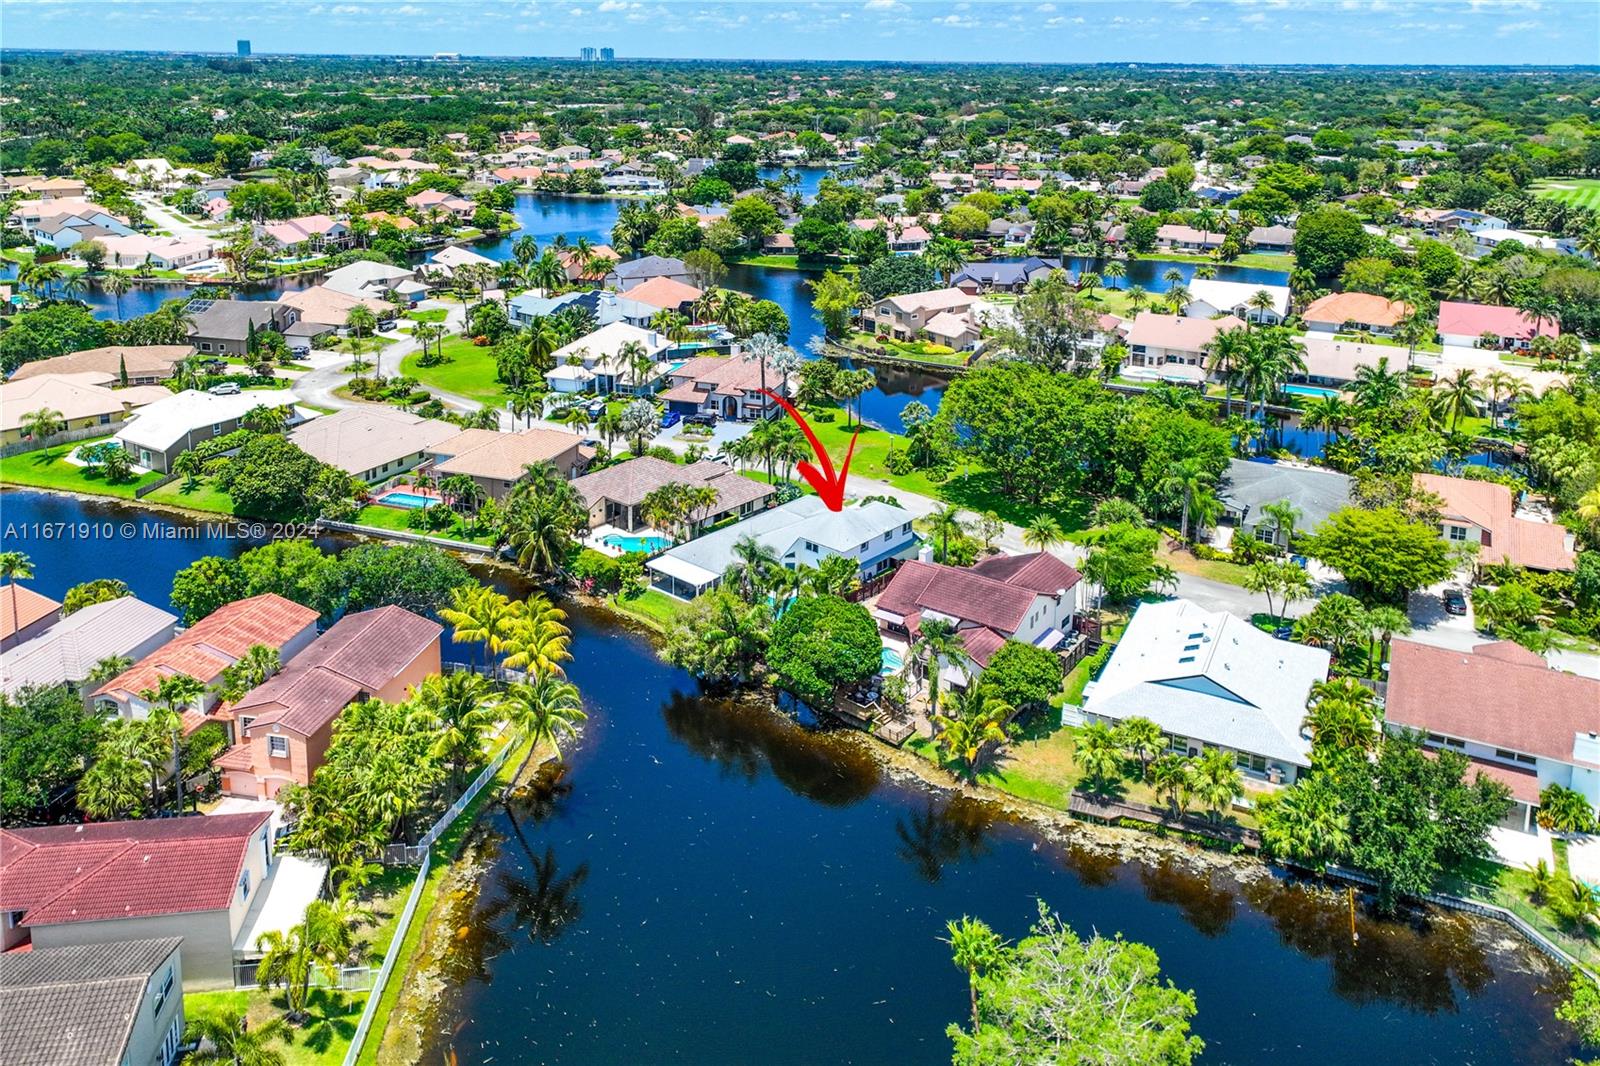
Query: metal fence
390, 958
348, 978
406, 535
66, 436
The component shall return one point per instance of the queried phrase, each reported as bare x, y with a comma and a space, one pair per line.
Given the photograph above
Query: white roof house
67, 652
160, 425
601, 353
371, 442
447, 259
366, 278
1208, 297
802, 532
1209, 679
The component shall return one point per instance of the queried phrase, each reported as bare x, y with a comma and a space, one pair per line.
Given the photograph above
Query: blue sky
1196, 31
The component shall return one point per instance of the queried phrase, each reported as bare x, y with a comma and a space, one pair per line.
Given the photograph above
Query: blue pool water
892, 662
410, 500
1309, 390
648, 545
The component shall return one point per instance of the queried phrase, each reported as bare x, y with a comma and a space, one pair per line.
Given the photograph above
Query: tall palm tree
752, 561
937, 641
1114, 270
1378, 387
975, 949
229, 1039
479, 614
319, 942
455, 710
539, 641
1173, 776
544, 710
1456, 396
1188, 480
1043, 533
1142, 739
118, 285
1502, 384
1098, 755
1137, 297
15, 566
1227, 350
43, 424
1261, 303
1306, 824
942, 523
1217, 781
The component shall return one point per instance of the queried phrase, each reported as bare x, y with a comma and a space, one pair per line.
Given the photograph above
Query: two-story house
904, 317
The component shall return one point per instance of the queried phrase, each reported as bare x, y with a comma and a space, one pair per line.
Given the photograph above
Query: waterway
717, 883
545, 217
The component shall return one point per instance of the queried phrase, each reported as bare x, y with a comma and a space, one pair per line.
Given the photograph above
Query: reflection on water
940, 834
1207, 905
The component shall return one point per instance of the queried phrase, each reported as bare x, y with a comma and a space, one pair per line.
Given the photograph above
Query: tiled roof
1497, 694
142, 360
69, 650
628, 483
1488, 504
1471, 320
989, 605
134, 869
503, 456
81, 1023
1178, 332
1362, 308
664, 292
218, 640
358, 439
21, 607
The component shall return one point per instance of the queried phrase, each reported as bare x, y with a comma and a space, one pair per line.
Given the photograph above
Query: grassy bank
776, 262
322, 1041
49, 469
469, 371
652, 607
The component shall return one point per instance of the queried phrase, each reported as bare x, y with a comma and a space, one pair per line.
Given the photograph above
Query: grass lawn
49, 469
918, 350
1585, 192
202, 497
323, 1040
1259, 260
652, 607
1512, 889
370, 344
780, 262
381, 517
1215, 569
470, 372
437, 314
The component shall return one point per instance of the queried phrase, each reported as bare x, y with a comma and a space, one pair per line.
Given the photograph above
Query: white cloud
884, 5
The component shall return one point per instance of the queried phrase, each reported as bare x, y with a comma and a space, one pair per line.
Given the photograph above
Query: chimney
925, 553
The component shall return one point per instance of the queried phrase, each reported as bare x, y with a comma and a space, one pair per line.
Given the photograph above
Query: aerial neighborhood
1206, 458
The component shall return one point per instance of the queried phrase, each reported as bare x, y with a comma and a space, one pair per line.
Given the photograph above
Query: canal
711, 882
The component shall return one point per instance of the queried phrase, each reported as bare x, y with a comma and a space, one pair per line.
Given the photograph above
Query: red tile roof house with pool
200, 878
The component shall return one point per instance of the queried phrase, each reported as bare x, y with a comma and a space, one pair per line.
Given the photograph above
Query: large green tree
1383, 554
822, 644
49, 737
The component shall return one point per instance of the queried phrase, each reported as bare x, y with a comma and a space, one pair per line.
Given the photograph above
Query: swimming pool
414, 501
1310, 390
648, 545
892, 662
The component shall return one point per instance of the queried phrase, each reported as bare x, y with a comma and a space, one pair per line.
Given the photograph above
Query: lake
712, 882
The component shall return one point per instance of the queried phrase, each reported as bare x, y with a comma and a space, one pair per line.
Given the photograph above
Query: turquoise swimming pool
892, 662
648, 545
1310, 390
413, 501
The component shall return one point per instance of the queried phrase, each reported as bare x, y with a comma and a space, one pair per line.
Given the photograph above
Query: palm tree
1099, 756
1457, 395
1178, 297
43, 424
1189, 480
538, 641
1305, 824
1115, 271
1227, 350
945, 256
118, 285
1500, 383
1217, 781
1342, 717
937, 641
760, 349
1172, 776
1043, 533
1142, 739
639, 423
319, 942
15, 566
975, 948
1284, 515
230, 1040
1261, 303
455, 709
752, 561
1137, 297
1377, 387
543, 710
1387, 623
979, 719
942, 523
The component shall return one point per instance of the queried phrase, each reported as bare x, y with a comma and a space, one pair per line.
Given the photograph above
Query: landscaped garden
923, 351
468, 370
49, 469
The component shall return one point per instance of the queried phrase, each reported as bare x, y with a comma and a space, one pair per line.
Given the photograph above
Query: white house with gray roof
800, 533
1211, 680
1250, 486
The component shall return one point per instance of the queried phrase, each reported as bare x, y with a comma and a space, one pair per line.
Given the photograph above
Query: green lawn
780, 262
322, 1041
1512, 889
48, 469
652, 607
1215, 569
470, 372
919, 350
1585, 192
437, 314
202, 497
380, 517
1259, 260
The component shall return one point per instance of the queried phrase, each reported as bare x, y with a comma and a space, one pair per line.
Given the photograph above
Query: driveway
723, 433
171, 221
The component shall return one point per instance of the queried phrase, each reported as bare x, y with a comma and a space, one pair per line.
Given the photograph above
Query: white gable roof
1213, 677
1226, 295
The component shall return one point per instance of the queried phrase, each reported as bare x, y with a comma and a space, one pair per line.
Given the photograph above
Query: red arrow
829, 486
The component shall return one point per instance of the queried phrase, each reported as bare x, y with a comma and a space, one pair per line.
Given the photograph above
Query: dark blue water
545, 217
807, 179
713, 883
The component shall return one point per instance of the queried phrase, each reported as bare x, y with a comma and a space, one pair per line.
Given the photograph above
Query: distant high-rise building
608, 55
587, 55
244, 48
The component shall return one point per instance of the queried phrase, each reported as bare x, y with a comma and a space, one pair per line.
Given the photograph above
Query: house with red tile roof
206, 649
722, 385
24, 614
1029, 598
202, 878
286, 723
669, 294
1520, 722
1465, 324
1365, 312
1483, 513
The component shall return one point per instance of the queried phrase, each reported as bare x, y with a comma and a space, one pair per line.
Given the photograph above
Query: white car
226, 388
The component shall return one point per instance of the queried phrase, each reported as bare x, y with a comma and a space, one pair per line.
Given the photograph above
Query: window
244, 883
888, 536
1456, 533
1191, 647
216, 427
163, 992
278, 747
906, 528
1187, 659
205, 346
810, 547
1266, 533
1454, 743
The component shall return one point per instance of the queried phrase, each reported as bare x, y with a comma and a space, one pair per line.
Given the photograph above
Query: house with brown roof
1173, 347
1029, 598
1354, 312
206, 649
24, 614
201, 878
904, 317
286, 722
1483, 513
85, 402
144, 364
1179, 238
1520, 722
371, 442
498, 461
725, 386
613, 495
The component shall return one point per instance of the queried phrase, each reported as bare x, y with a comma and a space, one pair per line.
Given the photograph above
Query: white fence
407, 535
349, 978
406, 854
390, 957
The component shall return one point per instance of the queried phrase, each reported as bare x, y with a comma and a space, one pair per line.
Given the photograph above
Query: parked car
701, 420
226, 388
1455, 601
597, 408
670, 419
